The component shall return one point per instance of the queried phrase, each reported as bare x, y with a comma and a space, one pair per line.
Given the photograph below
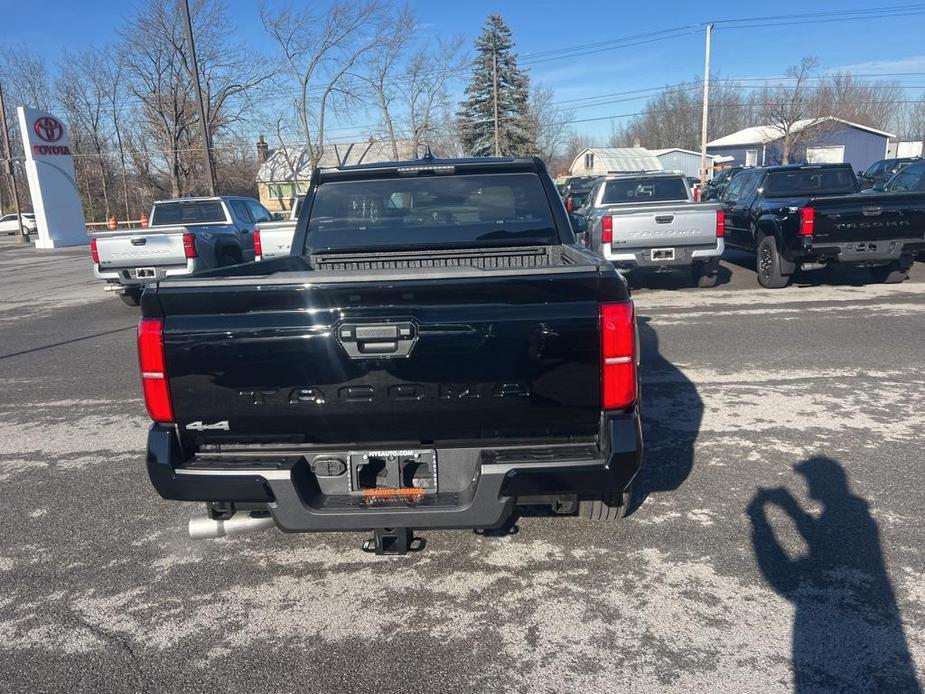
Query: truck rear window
473, 211
187, 212
644, 190
808, 182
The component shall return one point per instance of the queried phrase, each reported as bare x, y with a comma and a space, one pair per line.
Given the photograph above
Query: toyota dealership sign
59, 214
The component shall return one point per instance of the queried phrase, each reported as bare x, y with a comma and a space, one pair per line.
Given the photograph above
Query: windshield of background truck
809, 182
644, 190
187, 212
475, 210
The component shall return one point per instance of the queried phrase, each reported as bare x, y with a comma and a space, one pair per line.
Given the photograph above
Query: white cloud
914, 63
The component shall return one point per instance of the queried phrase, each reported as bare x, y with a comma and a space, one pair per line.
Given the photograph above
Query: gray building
826, 140
684, 160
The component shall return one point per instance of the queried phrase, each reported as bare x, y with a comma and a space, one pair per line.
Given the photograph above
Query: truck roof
639, 174
469, 164
800, 167
205, 198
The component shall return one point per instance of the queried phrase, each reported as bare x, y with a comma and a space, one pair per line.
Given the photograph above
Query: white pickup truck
274, 239
184, 236
650, 222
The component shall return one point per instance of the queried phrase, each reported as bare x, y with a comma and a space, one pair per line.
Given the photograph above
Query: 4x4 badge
199, 426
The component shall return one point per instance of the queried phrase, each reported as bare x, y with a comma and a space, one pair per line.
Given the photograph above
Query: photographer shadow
847, 630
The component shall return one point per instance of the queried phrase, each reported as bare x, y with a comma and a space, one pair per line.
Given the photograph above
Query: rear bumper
863, 252
125, 276
485, 499
684, 256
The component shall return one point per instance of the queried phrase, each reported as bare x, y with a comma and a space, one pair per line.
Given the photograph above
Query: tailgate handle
664, 218
139, 242
380, 340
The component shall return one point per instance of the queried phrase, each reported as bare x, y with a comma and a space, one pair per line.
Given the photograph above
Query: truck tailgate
276, 239
321, 358
874, 217
670, 224
144, 247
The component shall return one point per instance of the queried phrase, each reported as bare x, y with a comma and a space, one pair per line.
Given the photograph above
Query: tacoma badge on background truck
437, 352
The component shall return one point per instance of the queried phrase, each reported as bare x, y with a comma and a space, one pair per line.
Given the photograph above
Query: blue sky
869, 46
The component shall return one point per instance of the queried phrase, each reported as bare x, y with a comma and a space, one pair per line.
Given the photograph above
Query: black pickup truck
437, 352
806, 216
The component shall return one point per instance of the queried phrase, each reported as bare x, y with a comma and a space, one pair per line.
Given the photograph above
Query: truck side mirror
579, 223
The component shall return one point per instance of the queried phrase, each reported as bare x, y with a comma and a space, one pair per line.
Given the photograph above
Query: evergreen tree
477, 112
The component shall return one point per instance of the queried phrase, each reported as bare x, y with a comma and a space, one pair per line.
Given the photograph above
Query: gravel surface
775, 545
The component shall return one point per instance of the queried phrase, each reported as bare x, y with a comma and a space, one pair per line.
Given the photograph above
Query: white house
597, 161
285, 172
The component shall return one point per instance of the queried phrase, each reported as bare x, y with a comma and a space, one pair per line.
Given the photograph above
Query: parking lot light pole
706, 108
22, 237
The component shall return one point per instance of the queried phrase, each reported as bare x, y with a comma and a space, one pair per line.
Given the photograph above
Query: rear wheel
703, 278
893, 273
229, 257
131, 297
609, 507
773, 270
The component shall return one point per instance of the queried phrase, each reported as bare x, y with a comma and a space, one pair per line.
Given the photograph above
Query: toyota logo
48, 128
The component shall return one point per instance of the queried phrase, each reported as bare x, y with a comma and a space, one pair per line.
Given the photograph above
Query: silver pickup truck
650, 222
184, 236
274, 239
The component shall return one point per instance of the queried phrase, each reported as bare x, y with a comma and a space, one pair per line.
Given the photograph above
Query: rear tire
890, 274
703, 279
131, 297
229, 258
612, 506
773, 271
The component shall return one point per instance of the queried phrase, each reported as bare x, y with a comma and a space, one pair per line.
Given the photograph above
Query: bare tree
380, 70
423, 86
26, 82
908, 120
860, 101
83, 92
672, 117
319, 53
159, 76
787, 108
550, 125
113, 73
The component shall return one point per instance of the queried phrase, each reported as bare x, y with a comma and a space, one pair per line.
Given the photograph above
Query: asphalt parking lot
776, 541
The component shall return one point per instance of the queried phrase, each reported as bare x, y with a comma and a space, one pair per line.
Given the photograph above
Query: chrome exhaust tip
205, 528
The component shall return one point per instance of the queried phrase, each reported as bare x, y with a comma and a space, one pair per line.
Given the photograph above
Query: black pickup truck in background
807, 216
440, 352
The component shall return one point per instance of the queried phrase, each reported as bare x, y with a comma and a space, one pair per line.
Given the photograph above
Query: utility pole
23, 237
706, 109
194, 66
494, 84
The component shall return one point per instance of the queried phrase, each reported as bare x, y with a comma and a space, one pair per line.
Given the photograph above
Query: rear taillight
569, 204
606, 229
258, 245
807, 221
154, 369
720, 223
189, 245
618, 356
94, 252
